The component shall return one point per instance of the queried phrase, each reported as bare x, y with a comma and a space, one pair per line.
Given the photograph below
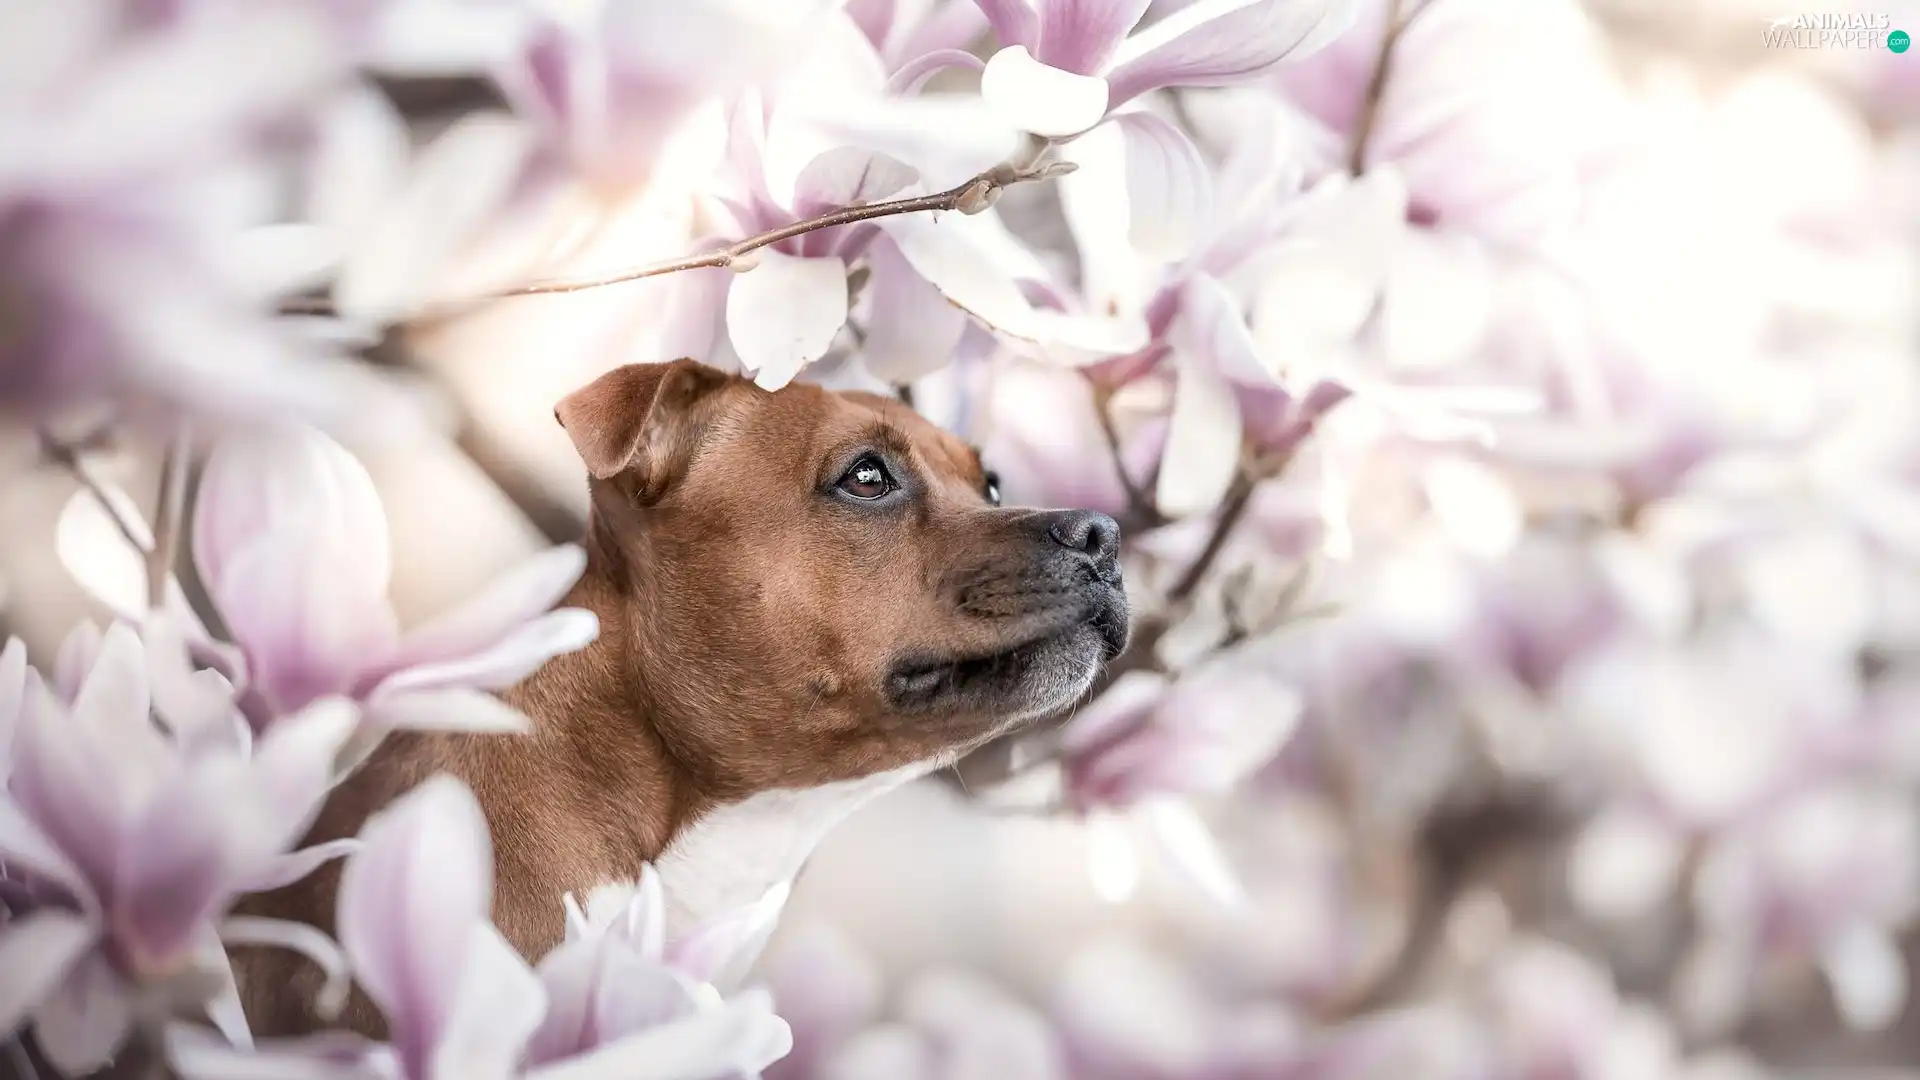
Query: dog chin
1028, 679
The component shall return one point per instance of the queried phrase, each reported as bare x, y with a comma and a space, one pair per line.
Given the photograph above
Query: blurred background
1585, 738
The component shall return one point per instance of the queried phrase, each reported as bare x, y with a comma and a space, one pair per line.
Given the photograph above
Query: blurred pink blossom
132, 819
460, 1002
132, 174
290, 541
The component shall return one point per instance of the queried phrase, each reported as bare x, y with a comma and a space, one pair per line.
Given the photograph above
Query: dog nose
1095, 535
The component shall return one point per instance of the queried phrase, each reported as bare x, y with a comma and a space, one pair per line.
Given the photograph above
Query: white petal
1044, 100
1113, 859
499, 1005
253, 931
359, 161
1868, 976
1190, 846
1438, 298
458, 184
742, 1036
911, 328
92, 549
784, 314
1322, 281
448, 709
524, 593
37, 952
1169, 190
86, 1019
504, 662
1476, 507
1203, 440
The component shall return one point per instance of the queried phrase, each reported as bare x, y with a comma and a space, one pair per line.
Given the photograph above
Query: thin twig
1231, 511
1376, 89
113, 499
970, 197
168, 517
1139, 507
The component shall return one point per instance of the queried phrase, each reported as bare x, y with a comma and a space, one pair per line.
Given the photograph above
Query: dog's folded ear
641, 418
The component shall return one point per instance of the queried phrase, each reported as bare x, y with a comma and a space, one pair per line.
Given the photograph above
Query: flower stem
1376, 88
112, 498
971, 197
169, 516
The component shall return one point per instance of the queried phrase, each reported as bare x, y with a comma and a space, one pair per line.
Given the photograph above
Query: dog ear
640, 417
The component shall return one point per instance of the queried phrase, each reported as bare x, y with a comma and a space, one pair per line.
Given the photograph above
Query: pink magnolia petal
1014, 22
334, 1055
178, 865
1123, 707
291, 771
726, 944
459, 183
741, 1036
1044, 100
57, 783
912, 330
1169, 189
86, 1019
1203, 440
409, 901
784, 314
634, 995
1082, 35
78, 651
1211, 328
847, 176
291, 479
505, 661
524, 593
496, 1009
1222, 42
37, 951
914, 73
304, 638
294, 866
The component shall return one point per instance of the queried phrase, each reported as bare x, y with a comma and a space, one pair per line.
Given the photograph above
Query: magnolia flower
1063, 65
1147, 740
127, 269
123, 841
459, 1002
291, 543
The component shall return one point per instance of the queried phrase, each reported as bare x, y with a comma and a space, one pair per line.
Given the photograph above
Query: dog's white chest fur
733, 855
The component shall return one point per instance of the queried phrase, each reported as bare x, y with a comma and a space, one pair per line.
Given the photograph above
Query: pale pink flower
459, 1002
291, 542
135, 814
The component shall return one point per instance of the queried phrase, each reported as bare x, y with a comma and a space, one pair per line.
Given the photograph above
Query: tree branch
1376, 88
971, 197
169, 516
113, 499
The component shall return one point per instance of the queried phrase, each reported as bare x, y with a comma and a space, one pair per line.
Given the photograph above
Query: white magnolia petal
454, 708
197, 1055
1169, 188
1323, 280
912, 330
784, 314
88, 1017
526, 592
504, 662
1203, 440
1439, 295
37, 951
1186, 842
1043, 100
847, 176
499, 1005
1222, 42
1211, 328
943, 252
256, 931
359, 161
743, 1035
459, 183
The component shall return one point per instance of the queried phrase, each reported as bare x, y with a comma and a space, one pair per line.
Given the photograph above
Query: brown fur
750, 618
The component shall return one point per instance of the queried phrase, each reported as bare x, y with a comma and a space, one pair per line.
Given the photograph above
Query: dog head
820, 585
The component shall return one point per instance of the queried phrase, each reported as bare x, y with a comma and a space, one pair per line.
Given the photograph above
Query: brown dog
805, 598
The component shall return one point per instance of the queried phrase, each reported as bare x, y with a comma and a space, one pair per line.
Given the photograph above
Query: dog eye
868, 479
993, 488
